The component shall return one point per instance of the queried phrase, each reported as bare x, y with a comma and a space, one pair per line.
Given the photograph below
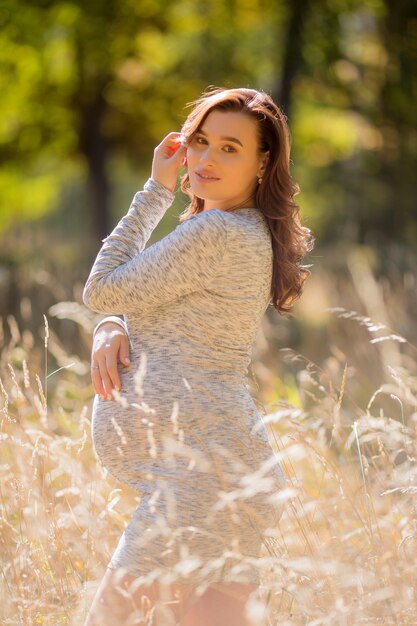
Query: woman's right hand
110, 342
167, 160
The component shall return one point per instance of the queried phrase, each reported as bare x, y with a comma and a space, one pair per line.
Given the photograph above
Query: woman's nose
207, 157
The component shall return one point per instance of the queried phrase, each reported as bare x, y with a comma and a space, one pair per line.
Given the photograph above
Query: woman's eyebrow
234, 139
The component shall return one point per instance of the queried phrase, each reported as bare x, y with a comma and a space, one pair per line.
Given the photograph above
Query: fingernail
117, 387
109, 396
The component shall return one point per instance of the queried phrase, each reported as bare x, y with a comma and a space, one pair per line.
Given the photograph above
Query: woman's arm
127, 279
133, 231
127, 240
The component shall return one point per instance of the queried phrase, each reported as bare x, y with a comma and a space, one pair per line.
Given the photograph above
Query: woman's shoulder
210, 215
242, 235
243, 222
238, 218
243, 227
205, 222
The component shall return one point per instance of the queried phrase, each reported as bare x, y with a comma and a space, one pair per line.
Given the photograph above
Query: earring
259, 180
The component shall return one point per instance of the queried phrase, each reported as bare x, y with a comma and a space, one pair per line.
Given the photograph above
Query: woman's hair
274, 197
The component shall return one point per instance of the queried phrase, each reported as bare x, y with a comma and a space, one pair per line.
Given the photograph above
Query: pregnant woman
179, 424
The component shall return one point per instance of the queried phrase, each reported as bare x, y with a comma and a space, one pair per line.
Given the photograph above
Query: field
344, 428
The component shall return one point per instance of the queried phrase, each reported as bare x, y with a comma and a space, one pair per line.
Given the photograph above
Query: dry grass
344, 550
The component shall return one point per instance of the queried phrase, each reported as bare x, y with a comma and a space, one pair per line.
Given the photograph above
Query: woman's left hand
167, 160
110, 343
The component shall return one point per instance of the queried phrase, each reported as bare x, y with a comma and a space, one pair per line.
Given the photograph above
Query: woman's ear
264, 162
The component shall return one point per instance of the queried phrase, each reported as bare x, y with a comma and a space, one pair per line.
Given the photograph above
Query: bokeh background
87, 89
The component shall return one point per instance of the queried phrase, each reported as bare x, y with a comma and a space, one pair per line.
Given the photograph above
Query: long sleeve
126, 278
111, 318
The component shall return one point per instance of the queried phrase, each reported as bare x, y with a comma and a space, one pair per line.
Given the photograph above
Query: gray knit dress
184, 430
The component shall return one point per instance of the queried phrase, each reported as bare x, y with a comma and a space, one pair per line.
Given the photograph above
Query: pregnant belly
118, 439
168, 432
130, 435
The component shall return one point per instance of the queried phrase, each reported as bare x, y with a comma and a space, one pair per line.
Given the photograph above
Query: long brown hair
274, 197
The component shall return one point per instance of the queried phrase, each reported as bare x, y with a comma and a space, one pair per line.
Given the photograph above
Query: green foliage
25, 199
124, 70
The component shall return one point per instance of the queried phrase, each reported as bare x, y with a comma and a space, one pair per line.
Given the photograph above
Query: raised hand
167, 160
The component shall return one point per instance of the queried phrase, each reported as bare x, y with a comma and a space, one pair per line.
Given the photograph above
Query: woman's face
223, 160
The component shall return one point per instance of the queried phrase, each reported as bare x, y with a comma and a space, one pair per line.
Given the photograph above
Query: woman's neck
248, 202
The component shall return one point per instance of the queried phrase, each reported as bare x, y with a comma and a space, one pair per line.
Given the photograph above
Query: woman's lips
206, 178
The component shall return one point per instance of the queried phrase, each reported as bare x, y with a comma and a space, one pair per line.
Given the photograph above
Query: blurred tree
354, 127
292, 62
397, 119
88, 86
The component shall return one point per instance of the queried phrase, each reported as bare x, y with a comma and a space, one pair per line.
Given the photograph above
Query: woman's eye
203, 141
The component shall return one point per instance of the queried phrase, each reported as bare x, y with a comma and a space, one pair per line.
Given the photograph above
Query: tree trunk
94, 147
292, 57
